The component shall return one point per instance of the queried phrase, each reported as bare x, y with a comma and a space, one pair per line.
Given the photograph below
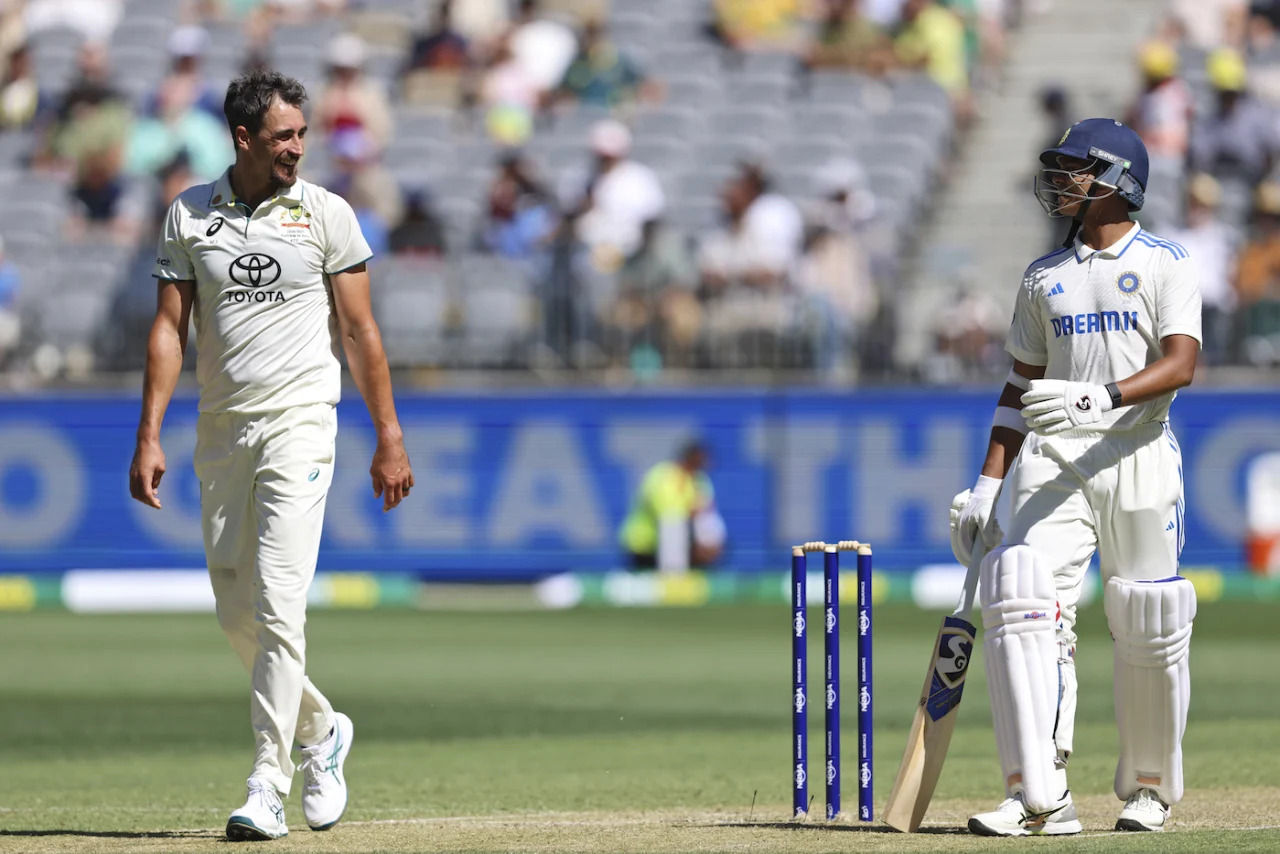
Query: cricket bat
935, 717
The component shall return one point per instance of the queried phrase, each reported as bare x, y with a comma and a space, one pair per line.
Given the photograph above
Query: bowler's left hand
1054, 406
391, 473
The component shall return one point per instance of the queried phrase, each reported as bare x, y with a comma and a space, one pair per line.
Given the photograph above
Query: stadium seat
412, 302
692, 89
661, 153
75, 317
404, 153
752, 119
677, 122
53, 56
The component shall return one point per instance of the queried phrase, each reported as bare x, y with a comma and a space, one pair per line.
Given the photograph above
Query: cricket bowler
274, 269
1104, 333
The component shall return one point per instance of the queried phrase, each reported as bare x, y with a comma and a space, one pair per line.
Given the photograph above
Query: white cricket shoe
324, 789
1012, 818
261, 817
1143, 811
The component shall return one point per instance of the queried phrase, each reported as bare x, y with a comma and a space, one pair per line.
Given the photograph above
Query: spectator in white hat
351, 101
621, 196
835, 273
184, 85
1213, 248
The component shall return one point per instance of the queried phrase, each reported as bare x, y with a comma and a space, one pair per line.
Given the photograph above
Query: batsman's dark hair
250, 95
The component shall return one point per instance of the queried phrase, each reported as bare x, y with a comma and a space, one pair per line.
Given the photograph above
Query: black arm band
1114, 391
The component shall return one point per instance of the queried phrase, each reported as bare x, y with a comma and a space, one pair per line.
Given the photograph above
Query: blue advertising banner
515, 485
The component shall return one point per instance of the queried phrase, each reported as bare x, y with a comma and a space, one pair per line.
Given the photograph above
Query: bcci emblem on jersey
1128, 282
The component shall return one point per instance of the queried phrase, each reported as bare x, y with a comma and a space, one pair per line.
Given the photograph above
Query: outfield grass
590, 730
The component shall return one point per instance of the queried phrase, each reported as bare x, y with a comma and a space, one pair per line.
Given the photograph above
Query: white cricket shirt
1098, 316
266, 331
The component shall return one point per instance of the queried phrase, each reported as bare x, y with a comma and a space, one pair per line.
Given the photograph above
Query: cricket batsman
1104, 333
274, 268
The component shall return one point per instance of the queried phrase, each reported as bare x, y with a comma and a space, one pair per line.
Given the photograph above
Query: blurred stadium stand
467, 152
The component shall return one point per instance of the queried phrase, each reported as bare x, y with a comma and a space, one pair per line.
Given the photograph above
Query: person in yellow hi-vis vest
673, 523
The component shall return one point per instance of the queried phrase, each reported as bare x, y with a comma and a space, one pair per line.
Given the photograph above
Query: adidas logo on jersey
1057, 290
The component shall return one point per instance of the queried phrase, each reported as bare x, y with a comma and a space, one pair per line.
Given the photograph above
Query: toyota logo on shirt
255, 270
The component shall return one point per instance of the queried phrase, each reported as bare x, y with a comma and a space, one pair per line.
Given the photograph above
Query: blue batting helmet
1116, 149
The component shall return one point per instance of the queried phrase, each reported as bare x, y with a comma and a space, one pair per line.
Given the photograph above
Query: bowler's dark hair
249, 97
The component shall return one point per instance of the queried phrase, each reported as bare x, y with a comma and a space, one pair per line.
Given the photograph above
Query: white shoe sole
1059, 828
1056, 828
978, 828
244, 830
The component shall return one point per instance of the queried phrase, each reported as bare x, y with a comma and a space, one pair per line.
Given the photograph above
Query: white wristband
986, 487
1007, 416
1017, 380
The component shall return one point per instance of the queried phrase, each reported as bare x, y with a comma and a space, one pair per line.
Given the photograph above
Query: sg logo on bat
955, 647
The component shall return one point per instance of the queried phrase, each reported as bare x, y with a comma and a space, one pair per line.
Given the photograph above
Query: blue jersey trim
1046, 257
1136, 234
1150, 240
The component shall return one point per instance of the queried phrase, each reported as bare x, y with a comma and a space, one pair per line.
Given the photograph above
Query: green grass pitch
589, 730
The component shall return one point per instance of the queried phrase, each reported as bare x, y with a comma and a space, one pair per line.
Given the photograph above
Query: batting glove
973, 514
1052, 406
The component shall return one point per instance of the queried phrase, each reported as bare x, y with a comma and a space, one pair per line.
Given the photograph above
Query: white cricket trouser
264, 478
1119, 493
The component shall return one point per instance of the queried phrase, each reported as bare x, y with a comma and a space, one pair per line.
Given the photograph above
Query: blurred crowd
752, 273
1209, 111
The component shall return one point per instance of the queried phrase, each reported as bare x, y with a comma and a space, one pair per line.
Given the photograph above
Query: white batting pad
1151, 624
1019, 618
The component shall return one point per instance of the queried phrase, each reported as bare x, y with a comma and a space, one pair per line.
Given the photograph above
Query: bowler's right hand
145, 472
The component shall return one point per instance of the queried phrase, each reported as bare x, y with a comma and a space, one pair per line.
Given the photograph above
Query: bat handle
970, 591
